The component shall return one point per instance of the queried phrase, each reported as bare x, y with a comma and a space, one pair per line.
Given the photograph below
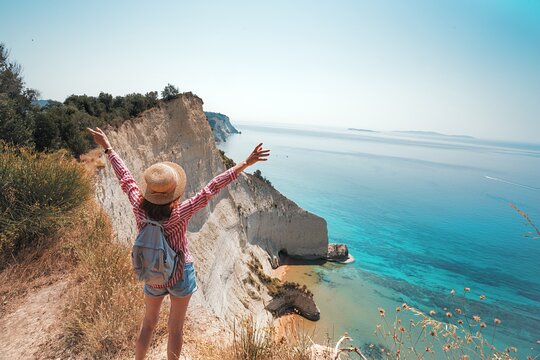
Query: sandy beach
284, 325
290, 326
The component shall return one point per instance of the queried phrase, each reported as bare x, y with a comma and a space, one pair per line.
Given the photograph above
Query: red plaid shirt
176, 226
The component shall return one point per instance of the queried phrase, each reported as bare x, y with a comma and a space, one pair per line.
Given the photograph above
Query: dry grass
251, 341
107, 304
39, 191
41, 265
50, 229
461, 336
536, 234
92, 160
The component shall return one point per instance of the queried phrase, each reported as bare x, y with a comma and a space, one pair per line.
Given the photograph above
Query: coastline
292, 325
343, 309
349, 296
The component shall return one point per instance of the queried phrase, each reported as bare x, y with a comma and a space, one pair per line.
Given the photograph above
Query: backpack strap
152, 222
160, 224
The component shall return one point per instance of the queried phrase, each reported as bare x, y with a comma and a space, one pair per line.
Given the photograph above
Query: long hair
158, 212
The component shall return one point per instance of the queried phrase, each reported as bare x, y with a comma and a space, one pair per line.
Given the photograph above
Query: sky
457, 67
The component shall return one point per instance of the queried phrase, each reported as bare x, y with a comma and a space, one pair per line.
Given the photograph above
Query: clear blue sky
458, 67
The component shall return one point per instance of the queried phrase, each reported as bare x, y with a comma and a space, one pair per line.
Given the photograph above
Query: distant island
41, 103
362, 130
433, 133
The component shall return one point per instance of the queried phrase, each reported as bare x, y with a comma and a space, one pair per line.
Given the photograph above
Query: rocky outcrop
338, 252
221, 126
248, 216
294, 300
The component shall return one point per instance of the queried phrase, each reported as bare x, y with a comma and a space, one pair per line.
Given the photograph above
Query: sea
422, 214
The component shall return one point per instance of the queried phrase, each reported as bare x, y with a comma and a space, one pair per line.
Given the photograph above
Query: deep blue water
421, 214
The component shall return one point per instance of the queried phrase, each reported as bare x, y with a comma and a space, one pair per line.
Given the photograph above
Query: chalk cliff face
247, 217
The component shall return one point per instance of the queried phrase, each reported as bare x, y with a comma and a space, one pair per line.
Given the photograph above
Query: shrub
257, 173
462, 335
170, 92
251, 341
228, 162
38, 192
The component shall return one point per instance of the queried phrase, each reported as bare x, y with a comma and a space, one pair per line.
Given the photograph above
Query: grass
51, 230
107, 304
104, 302
536, 234
107, 308
461, 336
251, 341
38, 192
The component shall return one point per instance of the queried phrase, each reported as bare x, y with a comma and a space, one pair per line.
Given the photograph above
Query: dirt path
32, 323
29, 327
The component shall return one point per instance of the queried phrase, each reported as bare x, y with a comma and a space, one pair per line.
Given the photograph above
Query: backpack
154, 261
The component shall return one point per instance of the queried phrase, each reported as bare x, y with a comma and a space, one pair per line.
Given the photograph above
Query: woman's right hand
99, 137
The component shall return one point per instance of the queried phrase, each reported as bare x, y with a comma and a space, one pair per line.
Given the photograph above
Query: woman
158, 199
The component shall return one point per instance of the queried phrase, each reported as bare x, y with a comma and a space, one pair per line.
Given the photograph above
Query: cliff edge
248, 218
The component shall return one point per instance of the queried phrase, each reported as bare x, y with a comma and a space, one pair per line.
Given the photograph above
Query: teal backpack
154, 261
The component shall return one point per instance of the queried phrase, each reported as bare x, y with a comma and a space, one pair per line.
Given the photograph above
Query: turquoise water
421, 214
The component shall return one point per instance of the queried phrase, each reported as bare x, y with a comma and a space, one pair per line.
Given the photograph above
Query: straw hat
163, 183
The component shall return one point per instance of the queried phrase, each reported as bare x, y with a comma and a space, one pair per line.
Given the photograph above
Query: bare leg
177, 316
151, 317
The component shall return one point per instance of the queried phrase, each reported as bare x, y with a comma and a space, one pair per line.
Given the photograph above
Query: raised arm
195, 203
126, 180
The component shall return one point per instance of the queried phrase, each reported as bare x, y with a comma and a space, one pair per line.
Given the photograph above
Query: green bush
170, 92
37, 192
229, 163
257, 173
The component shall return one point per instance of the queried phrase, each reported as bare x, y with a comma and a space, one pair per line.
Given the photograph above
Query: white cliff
247, 217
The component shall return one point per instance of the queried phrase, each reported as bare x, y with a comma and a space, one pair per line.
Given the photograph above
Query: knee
149, 323
175, 327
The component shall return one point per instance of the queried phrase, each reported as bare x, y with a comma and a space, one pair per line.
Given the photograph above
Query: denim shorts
183, 287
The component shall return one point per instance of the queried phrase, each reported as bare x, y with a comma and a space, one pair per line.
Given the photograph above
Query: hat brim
165, 198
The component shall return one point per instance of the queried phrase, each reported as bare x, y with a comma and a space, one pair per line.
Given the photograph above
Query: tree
170, 92
89, 104
46, 132
151, 98
106, 100
137, 104
16, 102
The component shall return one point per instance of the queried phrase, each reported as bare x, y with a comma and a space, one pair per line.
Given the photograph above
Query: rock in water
337, 252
